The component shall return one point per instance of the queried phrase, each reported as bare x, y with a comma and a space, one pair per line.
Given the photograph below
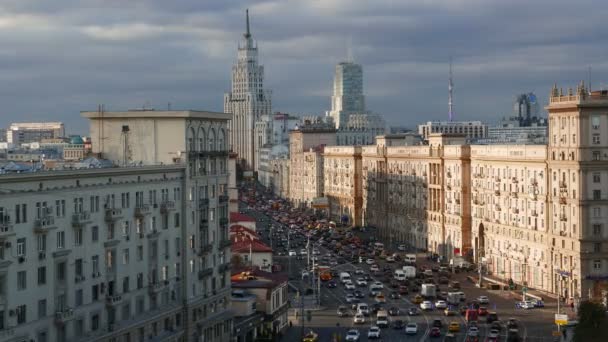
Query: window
597, 265
596, 139
78, 298
596, 155
126, 228
95, 264
95, 322
125, 285
78, 270
41, 242
21, 213
41, 275
125, 256
21, 280
21, 247
21, 311
596, 177
165, 273
95, 292
60, 240
140, 253
176, 220
95, 233
41, 308
78, 237
60, 208
61, 271
140, 281
79, 328
597, 194
597, 247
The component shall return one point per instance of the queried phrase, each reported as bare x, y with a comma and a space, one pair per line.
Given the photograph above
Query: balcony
208, 272
153, 234
142, 210
534, 213
562, 184
113, 300
563, 200
533, 182
80, 219
167, 206
497, 179
449, 175
223, 198
221, 153
203, 203
157, 287
563, 217
204, 249
113, 214
6, 227
225, 243
44, 224
62, 317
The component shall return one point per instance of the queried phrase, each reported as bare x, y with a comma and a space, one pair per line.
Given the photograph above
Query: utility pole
288, 256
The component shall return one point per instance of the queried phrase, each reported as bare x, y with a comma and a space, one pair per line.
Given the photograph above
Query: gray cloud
62, 56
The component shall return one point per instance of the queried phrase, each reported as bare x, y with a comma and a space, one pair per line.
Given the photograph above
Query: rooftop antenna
247, 32
450, 89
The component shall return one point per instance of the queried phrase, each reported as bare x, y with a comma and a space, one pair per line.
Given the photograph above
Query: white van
410, 271
363, 309
410, 258
344, 277
400, 275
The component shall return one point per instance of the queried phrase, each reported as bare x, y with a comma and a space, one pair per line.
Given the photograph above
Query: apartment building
127, 253
307, 143
279, 177
341, 173
27, 132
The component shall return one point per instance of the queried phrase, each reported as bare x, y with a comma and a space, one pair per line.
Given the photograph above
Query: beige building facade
343, 188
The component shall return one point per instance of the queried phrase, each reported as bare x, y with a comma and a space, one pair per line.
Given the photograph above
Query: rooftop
246, 246
151, 113
238, 217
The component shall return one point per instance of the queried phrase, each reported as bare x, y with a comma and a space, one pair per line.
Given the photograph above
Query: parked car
454, 327
441, 304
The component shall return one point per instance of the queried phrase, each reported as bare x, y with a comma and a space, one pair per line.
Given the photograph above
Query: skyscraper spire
450, 87
247, 33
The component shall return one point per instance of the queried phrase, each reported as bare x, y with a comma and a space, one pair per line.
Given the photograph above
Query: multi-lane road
534, 325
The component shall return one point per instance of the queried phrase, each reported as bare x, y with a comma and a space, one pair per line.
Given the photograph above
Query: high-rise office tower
348, 93
247, 101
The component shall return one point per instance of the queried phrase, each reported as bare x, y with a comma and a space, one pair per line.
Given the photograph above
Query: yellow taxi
454, 327
418, 299
311, 337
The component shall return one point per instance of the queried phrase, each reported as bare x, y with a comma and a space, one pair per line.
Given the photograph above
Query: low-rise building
471, 129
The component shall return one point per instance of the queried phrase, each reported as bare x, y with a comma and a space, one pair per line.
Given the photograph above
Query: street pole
480, 275
559, 297
288, 256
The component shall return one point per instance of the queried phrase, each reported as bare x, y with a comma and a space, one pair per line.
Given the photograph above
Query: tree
592, 323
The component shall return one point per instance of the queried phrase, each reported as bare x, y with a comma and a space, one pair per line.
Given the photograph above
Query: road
534, 325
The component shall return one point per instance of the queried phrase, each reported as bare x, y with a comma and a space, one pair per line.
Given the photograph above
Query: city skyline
180, 54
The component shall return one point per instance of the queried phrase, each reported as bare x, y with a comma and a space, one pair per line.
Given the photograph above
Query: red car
435, 332
482, 311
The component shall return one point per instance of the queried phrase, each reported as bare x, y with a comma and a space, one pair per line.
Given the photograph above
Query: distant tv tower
450, 88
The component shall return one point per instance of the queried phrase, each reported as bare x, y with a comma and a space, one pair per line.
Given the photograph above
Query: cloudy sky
58, 57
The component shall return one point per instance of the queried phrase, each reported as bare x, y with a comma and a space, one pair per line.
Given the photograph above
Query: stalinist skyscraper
247, 100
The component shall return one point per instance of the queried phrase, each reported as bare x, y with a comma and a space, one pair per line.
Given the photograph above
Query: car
493, 333
361, 282
349, 297
303, 251
376, 307
437, 323
359, 271
358, 294
463, 297
378, 284
395, 295
449, 311
483, 300
428, 273
359, 318
455, 285
538, 303
394, 283
441, 304
390, 259
342, 311
413, 311
512, 323
526, 304
374, 268
473, 331
331, 284
482, 311
426, 305
454, 327
435, 332
349, 285
292, 253
403, 290
380, 298
311, 336
411, 329
353, 335
417, 299
362, 308
370, 261
496, 326
373, 332
394, 311
398, 324
374, 292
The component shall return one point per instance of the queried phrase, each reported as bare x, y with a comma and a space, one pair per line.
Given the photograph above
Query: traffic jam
376, 292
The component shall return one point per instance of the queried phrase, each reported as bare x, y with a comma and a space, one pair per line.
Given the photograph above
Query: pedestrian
572, 305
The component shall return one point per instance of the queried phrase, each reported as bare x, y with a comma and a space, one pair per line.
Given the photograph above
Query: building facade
27, 132
471, 129
341, 173
247, 101
279, 178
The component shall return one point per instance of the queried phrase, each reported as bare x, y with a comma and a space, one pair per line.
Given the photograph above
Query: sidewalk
536, 294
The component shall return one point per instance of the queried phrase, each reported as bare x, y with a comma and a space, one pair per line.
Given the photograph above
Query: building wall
342, 183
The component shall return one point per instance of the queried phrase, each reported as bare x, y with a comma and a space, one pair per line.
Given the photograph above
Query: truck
460, 262
410, 271
428, 290
454, 298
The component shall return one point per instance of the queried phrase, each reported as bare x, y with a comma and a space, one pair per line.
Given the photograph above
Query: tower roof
247, 32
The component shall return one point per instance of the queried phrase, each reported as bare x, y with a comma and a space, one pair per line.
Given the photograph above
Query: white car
411, 329
359, 271
426, 305
374, 268
473, 331
350, 298
352, 335
441, 304
493, 333
401, 248
349, 285
370, 261
292, 253
390, 259
303, 251
359, 318
373, 332
378, 285
361, 282
483, 300
526, 304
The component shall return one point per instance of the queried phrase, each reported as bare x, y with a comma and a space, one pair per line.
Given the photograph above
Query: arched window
211, 139
221, 140
201, 139
191, 137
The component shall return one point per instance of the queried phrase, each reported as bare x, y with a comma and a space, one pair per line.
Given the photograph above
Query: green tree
592, 323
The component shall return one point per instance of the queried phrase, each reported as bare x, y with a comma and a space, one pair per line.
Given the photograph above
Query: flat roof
150, 113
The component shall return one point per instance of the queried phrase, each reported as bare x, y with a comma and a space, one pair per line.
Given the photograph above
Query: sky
60, 57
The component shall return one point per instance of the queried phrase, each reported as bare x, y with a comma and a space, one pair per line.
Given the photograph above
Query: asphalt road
534, 325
